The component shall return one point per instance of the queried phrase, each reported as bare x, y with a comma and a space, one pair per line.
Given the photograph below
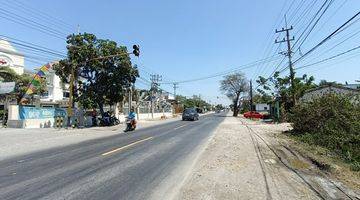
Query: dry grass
327, 162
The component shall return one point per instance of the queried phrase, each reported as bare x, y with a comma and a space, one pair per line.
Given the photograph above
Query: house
353, 86
328, 89
262, 107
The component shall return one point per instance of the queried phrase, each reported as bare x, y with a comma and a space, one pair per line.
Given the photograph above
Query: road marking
180, 126
127, 146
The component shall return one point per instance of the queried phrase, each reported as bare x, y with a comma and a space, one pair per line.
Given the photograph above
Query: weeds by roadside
332, 122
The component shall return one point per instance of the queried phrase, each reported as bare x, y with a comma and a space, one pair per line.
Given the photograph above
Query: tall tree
21, 82
233, 86
279, 87
102, 78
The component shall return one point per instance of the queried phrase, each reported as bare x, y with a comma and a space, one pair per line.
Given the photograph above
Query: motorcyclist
131, 118
132, 114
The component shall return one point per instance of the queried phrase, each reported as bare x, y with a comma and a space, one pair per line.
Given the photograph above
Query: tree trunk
236, 106
101, 107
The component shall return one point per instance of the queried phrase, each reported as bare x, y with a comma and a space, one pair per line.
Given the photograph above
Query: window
66, 94
265, 108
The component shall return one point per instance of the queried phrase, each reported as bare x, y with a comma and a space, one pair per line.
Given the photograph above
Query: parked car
254, 114
190, 114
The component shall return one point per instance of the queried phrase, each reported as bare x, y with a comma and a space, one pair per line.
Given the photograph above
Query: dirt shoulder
248, 160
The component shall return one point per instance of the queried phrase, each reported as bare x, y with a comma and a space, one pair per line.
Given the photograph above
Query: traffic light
136, 50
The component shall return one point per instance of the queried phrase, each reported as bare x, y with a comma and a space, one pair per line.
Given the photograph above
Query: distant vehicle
190, 114
253, 114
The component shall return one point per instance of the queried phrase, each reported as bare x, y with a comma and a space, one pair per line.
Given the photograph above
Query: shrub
331, 121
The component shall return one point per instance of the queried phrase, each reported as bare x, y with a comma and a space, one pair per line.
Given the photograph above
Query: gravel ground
236, 165
14, 142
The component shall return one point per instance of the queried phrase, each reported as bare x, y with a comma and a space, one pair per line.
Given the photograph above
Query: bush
331, 121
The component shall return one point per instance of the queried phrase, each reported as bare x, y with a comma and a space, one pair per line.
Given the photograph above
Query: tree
233, 86
8, 75
279, 87
102, 78
21, 82
194, 102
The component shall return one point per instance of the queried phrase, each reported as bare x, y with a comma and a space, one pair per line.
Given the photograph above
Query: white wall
9, 53
262, 107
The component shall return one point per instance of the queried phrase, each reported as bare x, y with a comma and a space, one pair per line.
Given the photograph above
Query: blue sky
187, 39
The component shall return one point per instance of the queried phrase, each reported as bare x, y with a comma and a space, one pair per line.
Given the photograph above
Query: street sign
7, 87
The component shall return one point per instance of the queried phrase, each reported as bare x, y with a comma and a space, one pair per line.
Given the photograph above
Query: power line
24, 19
44, 16
328, 37
40, 29
311, 21
269, 48
347, 37
330, 58
12, 39
242, 67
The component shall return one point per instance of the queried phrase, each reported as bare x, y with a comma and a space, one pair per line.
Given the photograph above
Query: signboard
40, 113
4, 61
7, 87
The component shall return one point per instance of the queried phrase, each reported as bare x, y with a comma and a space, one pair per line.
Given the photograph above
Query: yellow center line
127, 146
180, 126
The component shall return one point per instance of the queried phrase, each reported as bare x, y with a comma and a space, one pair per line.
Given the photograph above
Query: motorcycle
130, 124
108, 121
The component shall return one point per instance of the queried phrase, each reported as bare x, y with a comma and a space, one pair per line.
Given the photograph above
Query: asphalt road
149, 163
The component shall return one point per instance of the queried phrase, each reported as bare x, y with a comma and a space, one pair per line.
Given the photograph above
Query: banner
40, 113
36, 82
7, 87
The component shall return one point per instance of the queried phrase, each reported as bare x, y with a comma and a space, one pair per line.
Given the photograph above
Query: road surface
150, 163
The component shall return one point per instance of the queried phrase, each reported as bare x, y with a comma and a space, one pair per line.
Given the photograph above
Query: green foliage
102, 77
279, 87
331, 121
2, 112
194, 102
219, 107
21, 81
8, 75
262, 98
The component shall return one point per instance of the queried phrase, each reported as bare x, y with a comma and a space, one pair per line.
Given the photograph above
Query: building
57, 94
10, 57
262, 107
327, 89
353, 86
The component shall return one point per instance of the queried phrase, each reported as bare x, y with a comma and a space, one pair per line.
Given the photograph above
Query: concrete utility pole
251, 96
175, 86
288, 53
155, 79
130, 99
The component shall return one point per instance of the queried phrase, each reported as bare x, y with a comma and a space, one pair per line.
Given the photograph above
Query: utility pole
251, 96
175, 86
288, 53
71, 96
155, 79
130, 99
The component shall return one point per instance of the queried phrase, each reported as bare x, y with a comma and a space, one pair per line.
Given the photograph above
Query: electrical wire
329, 58
341, 28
